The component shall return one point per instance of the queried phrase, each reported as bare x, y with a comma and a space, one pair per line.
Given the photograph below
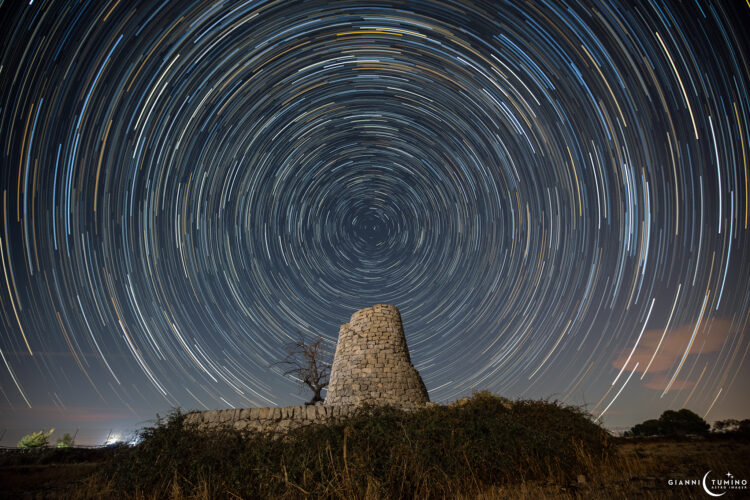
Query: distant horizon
125, 433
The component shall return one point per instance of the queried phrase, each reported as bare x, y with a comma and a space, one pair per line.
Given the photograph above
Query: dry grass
638, 469
350, 462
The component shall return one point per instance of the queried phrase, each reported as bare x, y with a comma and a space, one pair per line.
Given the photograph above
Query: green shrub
35, 440
65, 442
381, 452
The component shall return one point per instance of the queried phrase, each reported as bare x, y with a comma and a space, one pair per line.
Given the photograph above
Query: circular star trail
555, 196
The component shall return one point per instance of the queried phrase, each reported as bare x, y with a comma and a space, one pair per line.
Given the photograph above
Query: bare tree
308, 364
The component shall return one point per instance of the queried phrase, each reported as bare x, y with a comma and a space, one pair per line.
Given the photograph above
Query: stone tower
372, 363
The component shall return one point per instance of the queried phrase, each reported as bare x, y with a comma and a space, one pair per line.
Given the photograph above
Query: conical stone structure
372, 363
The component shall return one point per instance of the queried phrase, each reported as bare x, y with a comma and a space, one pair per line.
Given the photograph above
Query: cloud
659, 381
709, 338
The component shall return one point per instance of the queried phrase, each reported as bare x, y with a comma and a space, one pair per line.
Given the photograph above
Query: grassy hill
437, 452
484, 447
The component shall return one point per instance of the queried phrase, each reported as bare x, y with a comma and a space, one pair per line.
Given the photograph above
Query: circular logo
705, 487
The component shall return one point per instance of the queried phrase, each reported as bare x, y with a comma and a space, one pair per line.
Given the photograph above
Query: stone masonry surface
269, 419
372, 363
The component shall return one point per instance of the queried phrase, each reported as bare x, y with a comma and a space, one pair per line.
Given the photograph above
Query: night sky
555, 195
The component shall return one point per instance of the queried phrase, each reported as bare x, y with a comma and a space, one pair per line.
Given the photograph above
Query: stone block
193, 418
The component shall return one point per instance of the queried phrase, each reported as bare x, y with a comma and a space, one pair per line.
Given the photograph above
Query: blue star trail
554, 194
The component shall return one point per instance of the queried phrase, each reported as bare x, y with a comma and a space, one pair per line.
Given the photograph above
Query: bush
732, 426
65, 442
35, 440
650, 427
672, 423
383, 452
683, 422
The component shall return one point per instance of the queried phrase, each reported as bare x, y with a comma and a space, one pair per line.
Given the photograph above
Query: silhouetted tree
683, 422
650, 427
308, 364
672, 423
732, 426
728, 425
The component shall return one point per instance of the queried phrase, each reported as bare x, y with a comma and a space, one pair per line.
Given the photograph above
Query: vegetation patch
671, 423
378, 452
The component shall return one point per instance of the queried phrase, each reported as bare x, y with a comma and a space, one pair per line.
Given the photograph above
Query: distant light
112, 439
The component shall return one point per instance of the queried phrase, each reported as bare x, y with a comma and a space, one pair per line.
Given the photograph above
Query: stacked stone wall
276, 420
270, 419
372, 363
